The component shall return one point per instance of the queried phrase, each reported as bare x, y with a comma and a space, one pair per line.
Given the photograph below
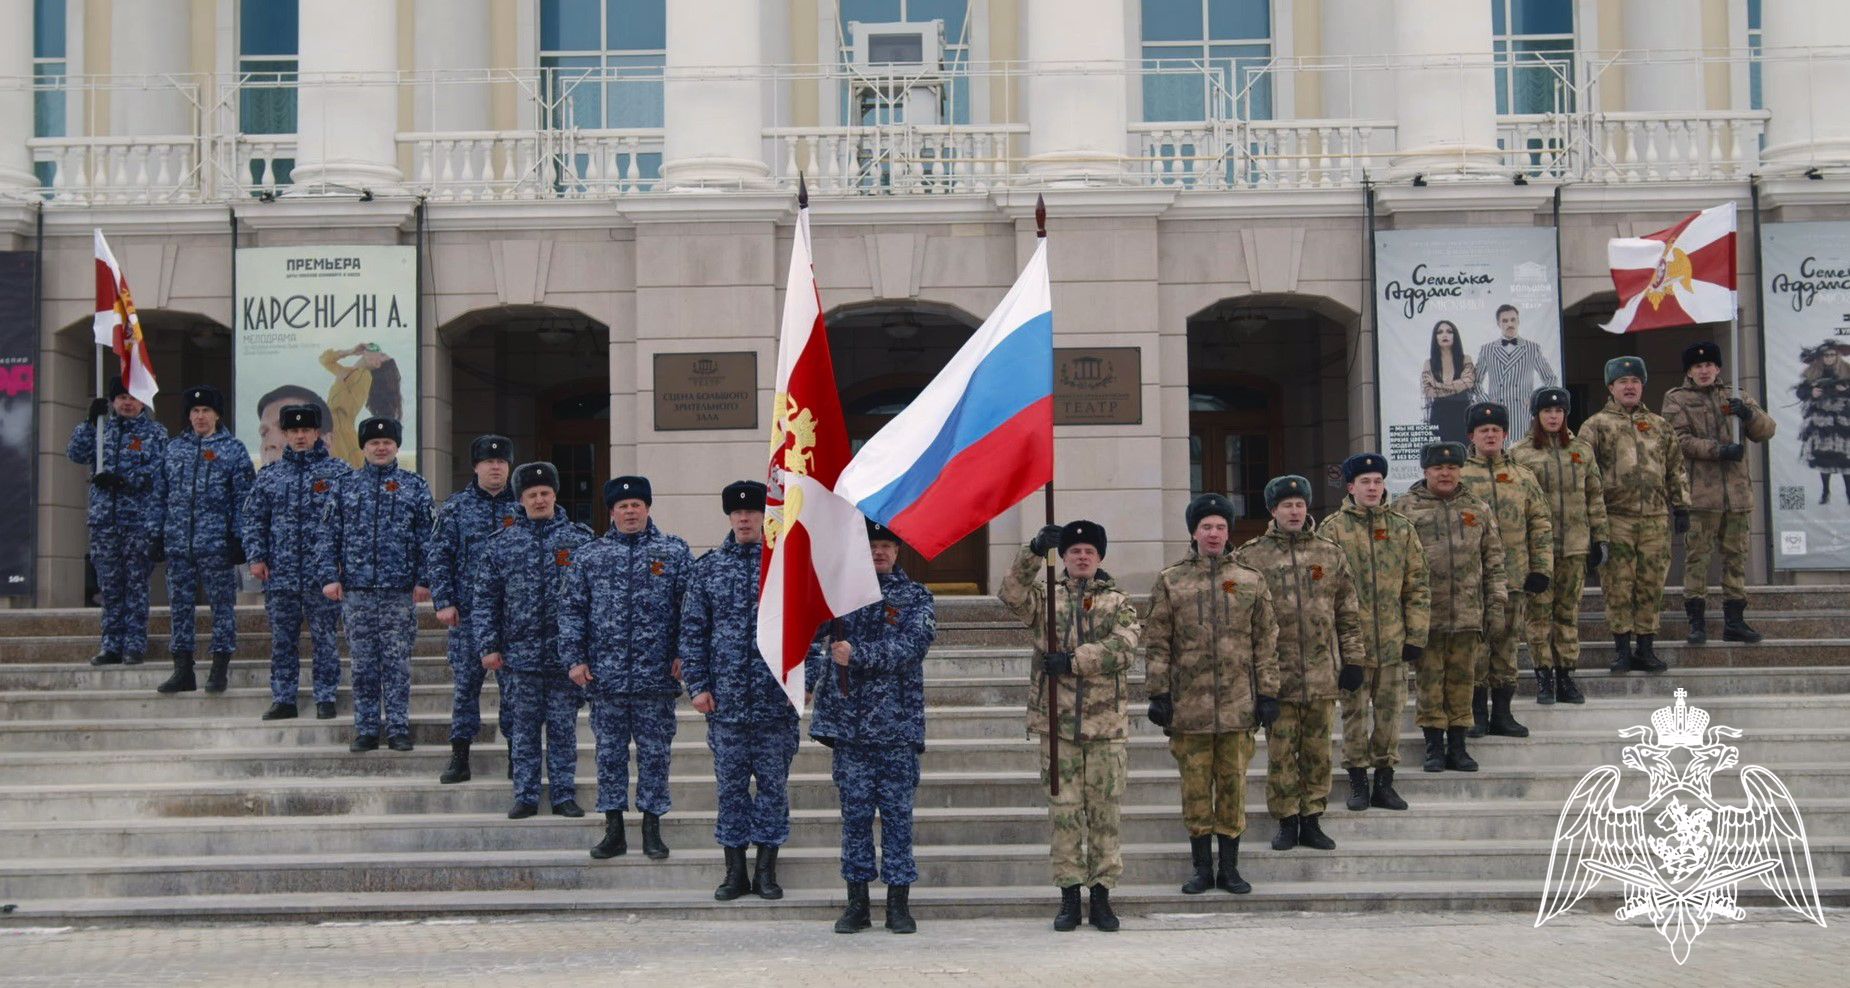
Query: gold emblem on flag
793, 441
1672, 267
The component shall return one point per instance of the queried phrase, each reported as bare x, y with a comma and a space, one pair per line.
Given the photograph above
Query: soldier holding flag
123, 514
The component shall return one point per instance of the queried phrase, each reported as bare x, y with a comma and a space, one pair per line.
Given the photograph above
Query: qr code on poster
1792, 498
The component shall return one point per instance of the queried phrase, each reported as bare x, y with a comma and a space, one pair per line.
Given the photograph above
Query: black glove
157, 549
1162, 710
1738, 408
1731, 452
1046, 539
108, 481
1411, 653
1266, 710
1350, 678
1596, 555
1535, 583
1057, 663
99, 407
1679, 521
234, 553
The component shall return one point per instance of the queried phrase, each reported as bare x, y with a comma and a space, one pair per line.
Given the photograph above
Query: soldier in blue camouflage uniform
371, 559
751, 724
281, 521
464, 523
513, 619
122, 515
203, 482
618, 621
866, 678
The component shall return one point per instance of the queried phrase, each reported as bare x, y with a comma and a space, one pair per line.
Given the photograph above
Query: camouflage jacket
1702, 424
464, 524
1389, 566
202, 486
132, 449
880, 698
1211, 642
1319, 620
1464, 558
515, 607
621, 611
1640, 462
281, 516
374, 531
1570, 481
1516, 498
1096, 622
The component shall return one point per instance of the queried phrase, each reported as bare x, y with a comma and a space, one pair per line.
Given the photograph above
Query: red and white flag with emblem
1677, 277
117, 327
816, 562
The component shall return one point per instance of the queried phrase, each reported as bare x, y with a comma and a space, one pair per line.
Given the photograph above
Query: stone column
713, 107
151, 39
16, 96
1354, 29
1670, 81
452, 43
1810, 122
1078, 89
1444, 90
347, 103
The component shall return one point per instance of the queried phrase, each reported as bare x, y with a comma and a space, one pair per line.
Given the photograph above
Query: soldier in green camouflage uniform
1096, 632
1464, 565
1721, 499
1389, 566
1320, 653
1569, 474
1515, 498
1641, 465
1210, 644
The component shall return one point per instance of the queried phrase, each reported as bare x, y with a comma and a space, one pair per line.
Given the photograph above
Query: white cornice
834, 210
1111, 200
1244, 204
138, 220
1651, 197
18, 218
525, 215
707, 207
1497, 196
1832, 190
330, 212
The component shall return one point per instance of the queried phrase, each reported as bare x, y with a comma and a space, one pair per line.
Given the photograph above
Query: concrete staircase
121, 805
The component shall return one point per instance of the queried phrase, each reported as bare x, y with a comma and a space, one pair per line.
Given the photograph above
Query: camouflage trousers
1444, 678
1634, 577
1297, 764
1496, 664
1371, 718
287, 609
466, 679
537, 702
221, 581
122, 572
381, 626
1554, 616
882, 778
647, 721
751, 767
1705, 529
1085, 848
1213, 768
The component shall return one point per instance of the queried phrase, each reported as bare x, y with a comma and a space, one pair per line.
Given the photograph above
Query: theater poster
19, 347
1465, 315
329, 326
1806, 281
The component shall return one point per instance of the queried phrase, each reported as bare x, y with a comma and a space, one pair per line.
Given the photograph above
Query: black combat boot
182, 680
1311, 835
568, 808
899, 909
764, 873
1067, 919
280, 711
1480, 711
652, 837
1545, 687
736, 882
221, 666
614, 844
1566, 688
399, 742
365, 742
1734, 623
1457, 759
131, 658
1201, 852
324, 709
1287, 836
1098, 910
1622, 655
521, 811
1358, 789
1502, 722
459, 764
106, 658
854, 919
1646, 655
1384, 795
1228, 879
1435, 749
1698, 624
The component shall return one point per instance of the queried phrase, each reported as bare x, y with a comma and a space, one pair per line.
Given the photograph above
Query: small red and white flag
117, 327
816, 562
1677, 277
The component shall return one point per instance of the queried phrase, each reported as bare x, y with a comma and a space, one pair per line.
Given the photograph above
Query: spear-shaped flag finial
802, 192
1040, 217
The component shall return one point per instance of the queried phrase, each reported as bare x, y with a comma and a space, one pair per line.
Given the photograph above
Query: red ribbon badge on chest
508, 522
1381, 535
391, 487
1316, 572
657, 567
1469, 519
1503, 478
321, 487
562, 557
1086, 603
892, 614
209, 455
1229, 586
1574, 457
1644, 427
134, 443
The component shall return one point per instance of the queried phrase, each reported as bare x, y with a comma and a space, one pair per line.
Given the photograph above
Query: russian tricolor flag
978, 439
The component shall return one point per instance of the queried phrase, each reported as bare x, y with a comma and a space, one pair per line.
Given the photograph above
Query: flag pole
837, 628
1053, 645
100, 393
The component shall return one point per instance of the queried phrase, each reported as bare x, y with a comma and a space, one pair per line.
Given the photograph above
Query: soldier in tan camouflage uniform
1464, 566
1720, 497
1096, 631
1320, 653
1210, 643
1641, 466
1389, 566
1515, 498
1569, 474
